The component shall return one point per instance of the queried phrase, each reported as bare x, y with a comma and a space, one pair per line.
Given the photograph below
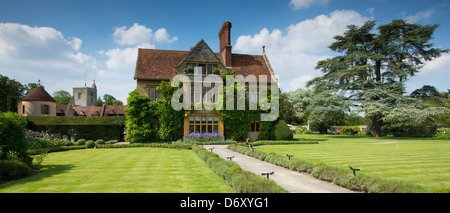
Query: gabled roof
39, 94
160, 64
157, 64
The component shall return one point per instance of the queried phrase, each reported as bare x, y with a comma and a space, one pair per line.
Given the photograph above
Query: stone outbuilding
37, 103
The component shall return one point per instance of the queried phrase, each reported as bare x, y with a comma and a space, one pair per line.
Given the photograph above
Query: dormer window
201, 68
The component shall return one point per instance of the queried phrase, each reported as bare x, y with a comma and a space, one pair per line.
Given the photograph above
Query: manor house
155, 65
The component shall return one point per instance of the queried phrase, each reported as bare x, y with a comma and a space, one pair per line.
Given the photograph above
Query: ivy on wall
141, 111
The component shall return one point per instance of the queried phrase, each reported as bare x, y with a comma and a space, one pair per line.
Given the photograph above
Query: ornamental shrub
13, 136
349, 130
81, 142
281, 131
90, 144
13, 169
99, 142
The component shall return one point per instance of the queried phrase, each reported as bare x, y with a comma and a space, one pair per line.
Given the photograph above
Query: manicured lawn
415, 160
122, 170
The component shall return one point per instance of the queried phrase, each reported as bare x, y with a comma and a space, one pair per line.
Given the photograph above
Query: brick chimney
225, 43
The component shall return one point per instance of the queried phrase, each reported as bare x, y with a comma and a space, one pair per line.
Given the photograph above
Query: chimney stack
225, 43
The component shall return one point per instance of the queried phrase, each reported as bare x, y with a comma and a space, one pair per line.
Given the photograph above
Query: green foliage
99, 142
62, 97
341, 177
13, 136
110, 127
442, 133
11, 92
139, 113
300, 100
349, 130
170, 120
90, 144
13, 169
281, 131
374, 66
110, 100
303, 130
81, 142
266, 126
236, 122
242, 181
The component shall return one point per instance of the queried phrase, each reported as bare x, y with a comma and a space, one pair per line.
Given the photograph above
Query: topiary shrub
13, 169
90, 144
81, 142
281, 131
99, 142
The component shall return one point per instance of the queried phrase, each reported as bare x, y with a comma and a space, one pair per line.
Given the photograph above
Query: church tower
85, 96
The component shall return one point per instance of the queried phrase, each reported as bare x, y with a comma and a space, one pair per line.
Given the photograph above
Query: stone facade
85, 96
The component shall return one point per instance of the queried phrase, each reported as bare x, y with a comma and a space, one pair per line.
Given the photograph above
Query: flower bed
204, 137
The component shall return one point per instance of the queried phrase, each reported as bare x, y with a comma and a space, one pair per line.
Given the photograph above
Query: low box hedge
242, 181
341, 177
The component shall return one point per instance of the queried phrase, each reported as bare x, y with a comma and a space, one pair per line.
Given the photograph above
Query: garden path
294, 182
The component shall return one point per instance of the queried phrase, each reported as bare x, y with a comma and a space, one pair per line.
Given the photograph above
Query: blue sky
63, 42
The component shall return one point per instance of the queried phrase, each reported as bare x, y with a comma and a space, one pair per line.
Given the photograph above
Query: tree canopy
62, 97
373, 66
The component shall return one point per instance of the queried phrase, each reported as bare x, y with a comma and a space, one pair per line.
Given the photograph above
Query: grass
415, 160
128, 170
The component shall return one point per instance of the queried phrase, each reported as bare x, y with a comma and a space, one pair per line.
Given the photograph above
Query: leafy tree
110, 100
11, 92
300, 100
326, 110
99, 101
373, 67
30, 87
12, 136
62, 97
429, 95
288, 110
170, 120
140, 113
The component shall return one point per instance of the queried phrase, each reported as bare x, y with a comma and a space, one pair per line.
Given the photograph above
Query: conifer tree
373, 67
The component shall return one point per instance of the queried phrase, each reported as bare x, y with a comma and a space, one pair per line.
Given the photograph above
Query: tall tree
300, 100
373, 67
62, 97
11, 92
110, 100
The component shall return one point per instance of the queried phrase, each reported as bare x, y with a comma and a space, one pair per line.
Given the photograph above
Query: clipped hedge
280, 131
90, 128
242, 181
338, 176
90, 144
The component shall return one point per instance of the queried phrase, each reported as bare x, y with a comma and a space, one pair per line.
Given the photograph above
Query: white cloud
437, 67
305, 4
140, 34
134, 35
116, 78
294, 51
29, 54
434, 73
161, 35
421, 15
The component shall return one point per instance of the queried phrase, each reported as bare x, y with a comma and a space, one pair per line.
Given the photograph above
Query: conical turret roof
39, 94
